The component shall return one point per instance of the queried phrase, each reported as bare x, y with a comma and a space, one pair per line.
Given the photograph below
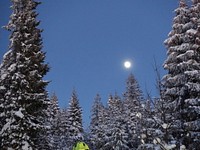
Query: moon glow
127, 64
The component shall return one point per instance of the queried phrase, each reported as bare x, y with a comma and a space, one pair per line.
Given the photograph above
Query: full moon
127, 64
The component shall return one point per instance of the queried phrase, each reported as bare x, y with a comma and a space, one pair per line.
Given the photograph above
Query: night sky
87, 41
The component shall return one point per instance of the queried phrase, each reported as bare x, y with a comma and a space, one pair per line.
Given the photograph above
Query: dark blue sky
87, 42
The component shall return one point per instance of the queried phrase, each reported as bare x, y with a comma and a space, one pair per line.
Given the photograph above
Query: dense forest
30, 119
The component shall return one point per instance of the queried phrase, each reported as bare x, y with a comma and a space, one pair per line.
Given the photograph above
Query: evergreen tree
191, 101
97, 124
55, 123
116, 129
159, 128
149, 127
23, 95
64, 124
107, 124
155, 128
133, 110
75, 127
182, 81
3, 90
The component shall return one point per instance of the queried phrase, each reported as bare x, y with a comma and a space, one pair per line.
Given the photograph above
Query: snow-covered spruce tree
182, 82
64, 142
3, 72
97, 124
155, 129
158, 129
23, 95
116, 128
133, 110
75, 127
107, 123
191, 107
150, 127
55, 131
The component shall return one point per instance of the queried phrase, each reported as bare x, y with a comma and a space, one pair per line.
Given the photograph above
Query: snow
172, 57
193, 73
170, 147
187, 26
19, 113
192, 101
143, 136
32, 73
183, 47
2, 88
193, 86
12, 67
156, 141
142, 141
182, 147
157, 131
27, 35
3, 76
6, 54
139, 115
165, 126
189, 54
6, 126
171, 91
191, 32
26, 146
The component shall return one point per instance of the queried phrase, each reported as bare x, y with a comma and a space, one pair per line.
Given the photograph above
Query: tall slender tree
64, 122
97, 123
133, 110
119, 127
191, 104
55, 131
116, 129
182, 81
75, 126
23, 95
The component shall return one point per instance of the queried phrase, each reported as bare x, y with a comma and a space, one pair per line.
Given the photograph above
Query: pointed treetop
97, 100
182, 3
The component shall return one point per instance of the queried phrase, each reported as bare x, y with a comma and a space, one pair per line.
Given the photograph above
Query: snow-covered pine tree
107, 123
75, 127
23, 95
97, 124
159, 129
55, 133
65, 141
133, 110
156, 131
191, 103
182, 81
7, 59
149, 126
116, 129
